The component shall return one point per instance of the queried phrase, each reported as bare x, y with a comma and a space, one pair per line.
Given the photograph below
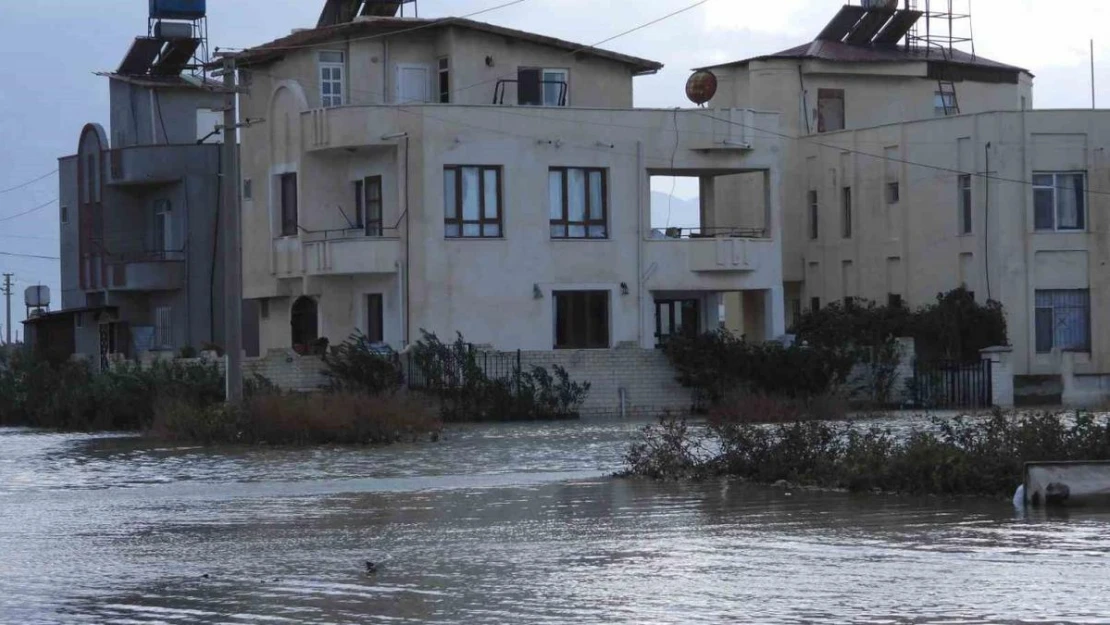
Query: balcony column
774, 313
707, 198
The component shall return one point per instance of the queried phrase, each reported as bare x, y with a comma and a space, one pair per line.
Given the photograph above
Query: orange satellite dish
701, 87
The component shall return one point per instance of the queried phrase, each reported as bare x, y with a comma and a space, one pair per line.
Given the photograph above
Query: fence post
517, 374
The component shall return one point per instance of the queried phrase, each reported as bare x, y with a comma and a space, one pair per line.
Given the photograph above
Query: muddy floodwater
504, 524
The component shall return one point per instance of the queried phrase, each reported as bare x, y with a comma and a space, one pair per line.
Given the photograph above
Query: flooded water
507, 525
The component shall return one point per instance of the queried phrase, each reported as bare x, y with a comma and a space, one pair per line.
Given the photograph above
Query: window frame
443, 79
945, 104
673, 305
846, 212
371, 225
588, 223
605, 337
965, 202
812, 199
893, 192
163, 332
1056, 188
542, 78
330, 100
482, 222
831, 95
288, 212
1038, 310
163, 226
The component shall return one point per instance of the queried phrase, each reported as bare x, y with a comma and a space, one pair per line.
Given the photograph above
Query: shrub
356, 365
983, 456
342, 418
745, 408
453, 374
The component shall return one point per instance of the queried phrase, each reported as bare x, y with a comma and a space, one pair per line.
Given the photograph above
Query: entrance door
413, 84
677, 317
303, 322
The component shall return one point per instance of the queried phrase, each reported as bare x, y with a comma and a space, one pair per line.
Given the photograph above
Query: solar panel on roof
897, 27
177, 55
842, 24
140, 56
868, 26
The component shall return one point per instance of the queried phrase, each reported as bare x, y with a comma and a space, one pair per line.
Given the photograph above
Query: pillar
1002, 375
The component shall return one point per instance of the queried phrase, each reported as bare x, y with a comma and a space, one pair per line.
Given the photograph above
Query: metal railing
500, 88
723, 232
374, 231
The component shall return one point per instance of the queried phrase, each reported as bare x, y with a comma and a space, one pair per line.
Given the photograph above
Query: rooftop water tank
177, 9
37, 296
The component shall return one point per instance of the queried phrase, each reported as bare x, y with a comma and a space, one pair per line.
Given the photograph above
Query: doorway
303, 322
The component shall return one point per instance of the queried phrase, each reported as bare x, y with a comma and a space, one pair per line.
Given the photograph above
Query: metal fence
947, 384
450, 370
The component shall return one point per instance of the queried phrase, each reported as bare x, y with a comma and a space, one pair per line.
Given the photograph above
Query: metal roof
370, 26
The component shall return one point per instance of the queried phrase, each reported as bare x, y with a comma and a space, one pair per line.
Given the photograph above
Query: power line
29, 211
28, 183
29, 256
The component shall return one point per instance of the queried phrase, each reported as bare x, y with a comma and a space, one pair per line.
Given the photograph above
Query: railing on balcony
350, 251
501, 87
723, 232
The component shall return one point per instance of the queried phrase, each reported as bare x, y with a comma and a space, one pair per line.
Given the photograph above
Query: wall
933, 256
140, 115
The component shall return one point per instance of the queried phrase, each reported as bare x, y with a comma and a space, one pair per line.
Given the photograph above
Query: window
830, 110
542, 87
288, 205
578, 203
163, 226
814, 221
581, 319
248, 189
944, 104
846, 213
677, 318
472, 201
63, 214
814, 304
964, 183
375, 318
893, 193
894, 300
368, 205
163, 328
1063, 320
1059, 201
413, 83
444, 80
331, 78
264, 308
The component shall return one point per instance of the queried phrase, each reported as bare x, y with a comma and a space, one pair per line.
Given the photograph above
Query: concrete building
456, 176
138, 213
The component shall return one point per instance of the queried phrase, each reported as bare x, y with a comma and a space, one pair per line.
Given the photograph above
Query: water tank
37, 296
178, 9
888, 5
173, 30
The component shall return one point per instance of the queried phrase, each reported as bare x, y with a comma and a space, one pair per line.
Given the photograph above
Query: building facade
474, 179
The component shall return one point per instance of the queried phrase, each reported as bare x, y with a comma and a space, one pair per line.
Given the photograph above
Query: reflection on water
503, 524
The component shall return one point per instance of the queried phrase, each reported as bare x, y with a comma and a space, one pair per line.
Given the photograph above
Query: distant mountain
682, 213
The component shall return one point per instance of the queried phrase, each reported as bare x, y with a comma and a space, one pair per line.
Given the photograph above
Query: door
413, 84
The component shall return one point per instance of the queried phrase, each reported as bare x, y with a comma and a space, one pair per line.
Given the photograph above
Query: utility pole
233, 273
8, 306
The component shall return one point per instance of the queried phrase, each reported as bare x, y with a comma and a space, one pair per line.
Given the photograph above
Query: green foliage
355, 365
720, 363
972, 456
467, 392
187, 352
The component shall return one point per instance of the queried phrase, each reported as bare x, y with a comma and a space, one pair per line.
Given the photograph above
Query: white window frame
966, 202
443, 70
163, 225
332, 99
398, 90
1056, 187
565, 77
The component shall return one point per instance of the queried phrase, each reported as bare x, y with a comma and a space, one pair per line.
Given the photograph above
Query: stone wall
643, 377
284, 367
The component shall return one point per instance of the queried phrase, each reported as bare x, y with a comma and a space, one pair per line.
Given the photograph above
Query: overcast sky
52, 47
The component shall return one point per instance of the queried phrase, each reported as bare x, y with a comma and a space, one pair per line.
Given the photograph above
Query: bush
452, 373
341, 418
983, 456
743, 408
356, 365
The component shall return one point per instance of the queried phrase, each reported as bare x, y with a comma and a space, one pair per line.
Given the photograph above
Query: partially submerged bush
460, 377
975, 456
358, 365
341, 418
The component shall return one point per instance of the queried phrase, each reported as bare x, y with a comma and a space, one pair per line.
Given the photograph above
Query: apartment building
451, 175
138, 213
912, 169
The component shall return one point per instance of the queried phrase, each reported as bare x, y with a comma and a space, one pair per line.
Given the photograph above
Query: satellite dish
701, 87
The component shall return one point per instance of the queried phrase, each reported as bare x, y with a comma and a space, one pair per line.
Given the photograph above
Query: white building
456, 176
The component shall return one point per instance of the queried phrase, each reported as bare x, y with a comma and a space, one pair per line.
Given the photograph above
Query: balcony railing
351, 251
501, 86
725, 232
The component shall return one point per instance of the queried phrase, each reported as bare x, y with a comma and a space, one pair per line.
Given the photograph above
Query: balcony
157, 164
684, 259
138, 272
349, 252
